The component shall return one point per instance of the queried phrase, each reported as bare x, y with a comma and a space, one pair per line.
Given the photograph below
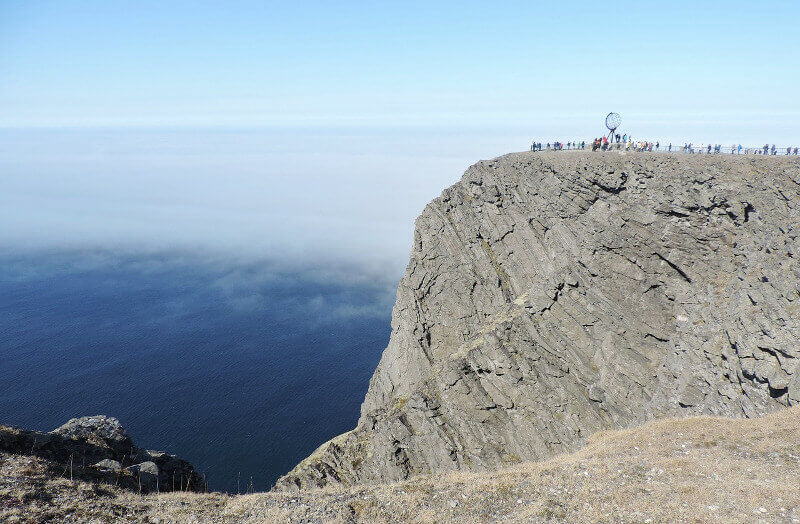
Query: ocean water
241, 368
226, 293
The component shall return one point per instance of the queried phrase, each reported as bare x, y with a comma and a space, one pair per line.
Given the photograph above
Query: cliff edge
692, 469
553, 295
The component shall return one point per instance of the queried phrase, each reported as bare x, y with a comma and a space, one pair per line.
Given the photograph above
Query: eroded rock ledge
552, 295
99, 449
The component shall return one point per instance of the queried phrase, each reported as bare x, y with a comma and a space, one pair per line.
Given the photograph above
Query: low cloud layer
338, 195
314, 196
341, 290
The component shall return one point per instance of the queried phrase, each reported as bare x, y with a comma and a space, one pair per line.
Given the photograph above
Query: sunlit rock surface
552, 295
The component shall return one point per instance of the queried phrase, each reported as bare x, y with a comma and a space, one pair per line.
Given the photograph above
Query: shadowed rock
98, 448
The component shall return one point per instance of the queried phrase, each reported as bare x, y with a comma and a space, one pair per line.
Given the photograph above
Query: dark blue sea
242, 368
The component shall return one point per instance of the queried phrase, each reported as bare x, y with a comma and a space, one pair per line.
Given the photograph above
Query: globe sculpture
613, 120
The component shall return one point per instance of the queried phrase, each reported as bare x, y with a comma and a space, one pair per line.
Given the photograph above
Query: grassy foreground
703, 469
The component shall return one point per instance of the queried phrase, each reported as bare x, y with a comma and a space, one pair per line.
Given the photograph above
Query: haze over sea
225, 293
205, 208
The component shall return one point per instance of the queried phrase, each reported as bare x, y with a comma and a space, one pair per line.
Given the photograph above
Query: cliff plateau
552, 295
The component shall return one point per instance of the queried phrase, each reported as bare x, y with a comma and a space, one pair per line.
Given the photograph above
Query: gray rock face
552, 295
101, 429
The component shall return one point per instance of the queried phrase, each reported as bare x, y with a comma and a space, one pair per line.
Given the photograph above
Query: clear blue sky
241, 62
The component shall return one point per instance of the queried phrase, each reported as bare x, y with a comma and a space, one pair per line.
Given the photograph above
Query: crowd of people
626, 143
558, 146
623, 142
765, 150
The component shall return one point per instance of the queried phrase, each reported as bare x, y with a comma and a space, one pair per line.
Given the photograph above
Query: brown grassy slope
695, 470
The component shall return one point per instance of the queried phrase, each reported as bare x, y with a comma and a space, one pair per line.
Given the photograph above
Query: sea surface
225, 292
242, 368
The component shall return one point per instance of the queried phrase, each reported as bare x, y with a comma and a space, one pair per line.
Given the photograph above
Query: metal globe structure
613, 120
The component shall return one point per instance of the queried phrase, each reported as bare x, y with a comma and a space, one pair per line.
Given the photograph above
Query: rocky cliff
98, 449
552, 295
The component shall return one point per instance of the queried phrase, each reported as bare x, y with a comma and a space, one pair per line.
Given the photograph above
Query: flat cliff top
696, 469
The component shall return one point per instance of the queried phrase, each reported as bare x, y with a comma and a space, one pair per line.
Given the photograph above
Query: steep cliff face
552, 295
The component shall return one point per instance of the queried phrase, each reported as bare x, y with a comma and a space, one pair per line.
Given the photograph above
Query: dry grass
686, 470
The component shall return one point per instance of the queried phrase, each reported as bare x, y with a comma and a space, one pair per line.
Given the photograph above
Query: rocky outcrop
694, 469
99, 449
552, 295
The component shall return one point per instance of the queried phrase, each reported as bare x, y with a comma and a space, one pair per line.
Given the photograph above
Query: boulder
108, 464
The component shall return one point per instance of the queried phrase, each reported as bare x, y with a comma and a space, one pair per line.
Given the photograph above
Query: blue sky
319, 131
242, 63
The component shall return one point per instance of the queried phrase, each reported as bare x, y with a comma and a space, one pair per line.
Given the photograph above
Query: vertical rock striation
552, 295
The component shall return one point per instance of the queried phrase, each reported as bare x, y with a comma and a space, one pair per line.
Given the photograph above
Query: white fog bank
336, 194
349, 195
